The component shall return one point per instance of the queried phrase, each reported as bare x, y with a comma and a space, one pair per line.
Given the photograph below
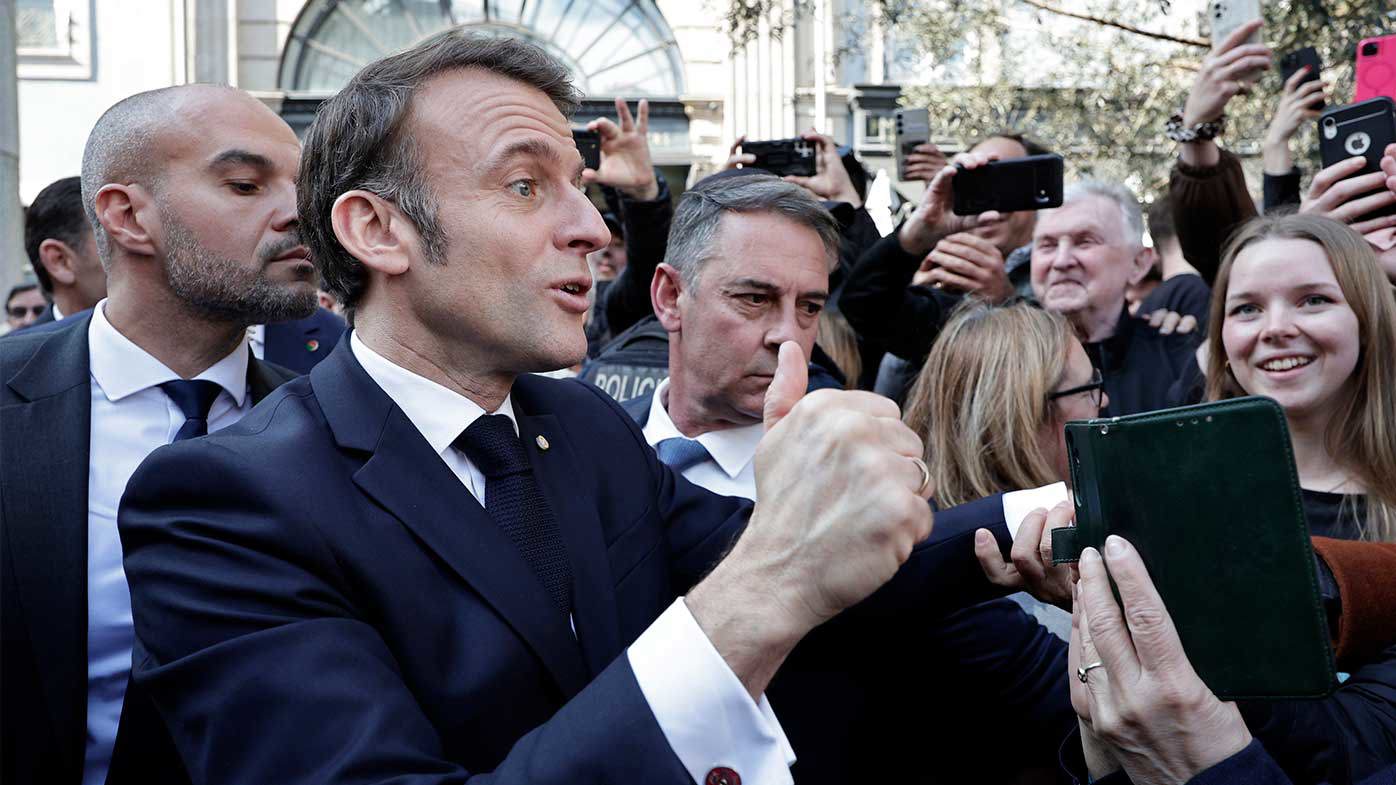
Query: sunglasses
18, 311
1095, 387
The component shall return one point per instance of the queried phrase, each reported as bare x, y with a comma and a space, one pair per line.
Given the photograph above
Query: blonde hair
1361, 434
839, 340
981, 399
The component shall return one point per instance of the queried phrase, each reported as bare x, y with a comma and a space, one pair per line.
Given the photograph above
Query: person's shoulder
18, 347
595, 418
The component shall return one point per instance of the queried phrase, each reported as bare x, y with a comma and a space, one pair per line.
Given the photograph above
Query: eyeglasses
18, 311
1095, 388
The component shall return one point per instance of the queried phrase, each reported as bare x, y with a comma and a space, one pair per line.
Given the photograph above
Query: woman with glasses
991, 400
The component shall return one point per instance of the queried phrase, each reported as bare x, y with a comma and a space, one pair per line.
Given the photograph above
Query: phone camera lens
1369, 49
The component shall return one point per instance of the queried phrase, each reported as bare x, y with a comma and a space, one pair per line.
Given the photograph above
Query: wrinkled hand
933, 218
1223, 72
736, 160
1168, 322
924, 161
1145, 707
1335, 193
1298, 103
967, 263
838, 508
1032, 569
625, 153
831, 180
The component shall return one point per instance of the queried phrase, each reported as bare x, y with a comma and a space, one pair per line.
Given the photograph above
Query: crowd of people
292, 491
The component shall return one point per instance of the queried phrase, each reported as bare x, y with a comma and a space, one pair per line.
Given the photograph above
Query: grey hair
361, 140
694, 231
1131, 214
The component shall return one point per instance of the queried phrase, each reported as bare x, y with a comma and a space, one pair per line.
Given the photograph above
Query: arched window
613, 47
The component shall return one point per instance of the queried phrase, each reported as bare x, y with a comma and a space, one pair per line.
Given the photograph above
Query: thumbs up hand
841, 499
788, 386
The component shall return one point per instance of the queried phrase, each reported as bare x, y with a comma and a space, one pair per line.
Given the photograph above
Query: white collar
57, 314
122, 368
731, 448
439, 413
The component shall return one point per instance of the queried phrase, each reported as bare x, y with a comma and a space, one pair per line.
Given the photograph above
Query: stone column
12, 257
210, 35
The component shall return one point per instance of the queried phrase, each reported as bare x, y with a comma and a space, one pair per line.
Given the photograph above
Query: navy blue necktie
193, 397
517, 505
681, 454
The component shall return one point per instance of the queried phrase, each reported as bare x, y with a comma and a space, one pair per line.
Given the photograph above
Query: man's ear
123, 211
665, 290
1143, 262
58, 260
373, 231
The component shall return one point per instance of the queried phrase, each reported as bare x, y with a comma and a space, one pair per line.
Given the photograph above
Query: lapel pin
542, 443
312, 345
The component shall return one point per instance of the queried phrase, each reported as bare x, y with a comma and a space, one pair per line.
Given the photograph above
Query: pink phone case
1376, 72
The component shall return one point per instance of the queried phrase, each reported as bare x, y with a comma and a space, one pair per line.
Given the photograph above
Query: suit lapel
44, 449
594, 603
410, 481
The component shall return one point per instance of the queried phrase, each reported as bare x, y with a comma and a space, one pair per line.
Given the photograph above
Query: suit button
723, 776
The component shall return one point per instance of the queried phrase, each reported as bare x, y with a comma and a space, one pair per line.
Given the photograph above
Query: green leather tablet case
1209, 496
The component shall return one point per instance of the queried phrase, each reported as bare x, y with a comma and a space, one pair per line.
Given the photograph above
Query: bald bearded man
191, 194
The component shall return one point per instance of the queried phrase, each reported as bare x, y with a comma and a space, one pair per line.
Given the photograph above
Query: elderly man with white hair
1085, 255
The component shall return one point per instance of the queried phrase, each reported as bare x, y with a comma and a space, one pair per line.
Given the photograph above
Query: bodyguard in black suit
191, 189
496, 574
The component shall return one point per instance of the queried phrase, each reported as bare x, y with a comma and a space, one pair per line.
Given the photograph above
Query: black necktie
193, 397
513, 499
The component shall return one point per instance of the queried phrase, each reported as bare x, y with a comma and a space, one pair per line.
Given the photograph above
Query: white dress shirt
57, 314
700, 705
131, 416
730, 470
257, 339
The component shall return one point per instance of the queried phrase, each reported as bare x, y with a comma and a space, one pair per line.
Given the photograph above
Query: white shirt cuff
1018, 504
707, 716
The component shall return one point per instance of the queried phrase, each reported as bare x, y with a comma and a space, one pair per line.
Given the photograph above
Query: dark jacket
626, 300
301, 343
380, 624
879, 302
44, 440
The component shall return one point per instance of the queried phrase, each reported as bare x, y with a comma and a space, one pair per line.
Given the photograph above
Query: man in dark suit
495, 574
300, 343
747, 269
63, 251
192, 193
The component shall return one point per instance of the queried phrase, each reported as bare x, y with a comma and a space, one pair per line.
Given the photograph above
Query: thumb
788, 386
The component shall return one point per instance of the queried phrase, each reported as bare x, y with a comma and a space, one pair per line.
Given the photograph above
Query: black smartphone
781, 157
1364, 129
589, 145
913, 128
1291, 62
1010, 185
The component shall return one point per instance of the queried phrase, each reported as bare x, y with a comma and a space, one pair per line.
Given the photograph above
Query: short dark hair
1032, 146
18, 289
1160, 220
359, 140
56, 214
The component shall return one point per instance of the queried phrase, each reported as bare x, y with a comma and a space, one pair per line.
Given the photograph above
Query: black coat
45, 404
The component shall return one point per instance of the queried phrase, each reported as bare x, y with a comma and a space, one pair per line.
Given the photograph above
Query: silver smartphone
1227, 15
913, 128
